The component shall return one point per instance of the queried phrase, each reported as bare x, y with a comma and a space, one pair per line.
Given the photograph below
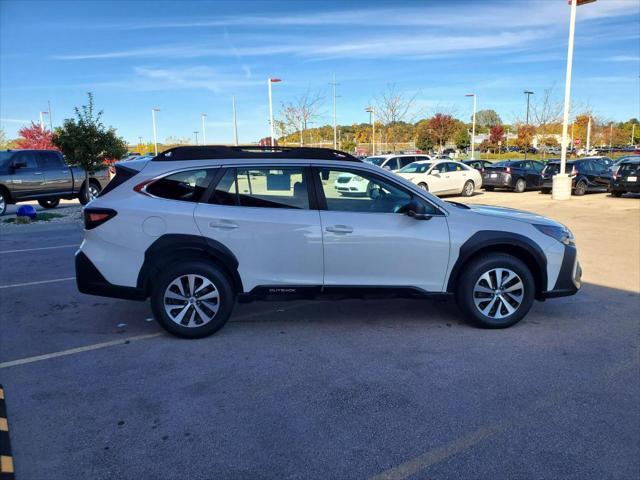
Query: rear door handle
339, 229
223, 224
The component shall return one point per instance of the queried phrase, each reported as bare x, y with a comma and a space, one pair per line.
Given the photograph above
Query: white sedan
443, 177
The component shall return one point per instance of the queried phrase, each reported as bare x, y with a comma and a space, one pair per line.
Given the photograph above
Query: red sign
576, 141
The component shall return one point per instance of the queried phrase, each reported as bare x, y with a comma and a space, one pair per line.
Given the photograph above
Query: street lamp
196, 134
473, 127
235, 120
562, 181
204, 129
269, 82
42, 119
155, 133
528, 94
372, 120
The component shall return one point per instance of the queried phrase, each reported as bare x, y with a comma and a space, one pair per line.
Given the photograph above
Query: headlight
561, 234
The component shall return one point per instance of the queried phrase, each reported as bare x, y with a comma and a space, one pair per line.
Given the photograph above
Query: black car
516, 175
587, 175
625, 179
479, 165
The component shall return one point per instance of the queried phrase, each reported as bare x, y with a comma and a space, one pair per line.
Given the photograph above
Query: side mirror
325, 175
18, 164
416, 209
434, 172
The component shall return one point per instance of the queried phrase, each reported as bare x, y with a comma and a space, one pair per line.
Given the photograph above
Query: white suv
197, 228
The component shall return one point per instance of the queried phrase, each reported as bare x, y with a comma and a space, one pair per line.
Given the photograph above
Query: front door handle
38, 173
339, 229
223, 224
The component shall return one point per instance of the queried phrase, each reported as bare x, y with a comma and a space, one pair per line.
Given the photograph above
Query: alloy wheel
93, 192
468, 189
191, 300
498, 293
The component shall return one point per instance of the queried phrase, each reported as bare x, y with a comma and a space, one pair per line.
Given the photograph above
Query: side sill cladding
507, 242
172, 247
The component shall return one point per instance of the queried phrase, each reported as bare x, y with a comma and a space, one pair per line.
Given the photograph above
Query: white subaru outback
197, 228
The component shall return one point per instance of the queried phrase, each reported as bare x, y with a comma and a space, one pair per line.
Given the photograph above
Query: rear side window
404, 161
270, 187
187, 186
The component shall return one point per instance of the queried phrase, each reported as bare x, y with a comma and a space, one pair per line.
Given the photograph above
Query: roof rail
211, 152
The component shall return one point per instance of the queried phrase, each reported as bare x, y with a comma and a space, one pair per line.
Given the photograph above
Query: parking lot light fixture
204, 129
269, 82
528, 94
372, 120
561, 188
42, 114
155, 132
473, 126
196, 134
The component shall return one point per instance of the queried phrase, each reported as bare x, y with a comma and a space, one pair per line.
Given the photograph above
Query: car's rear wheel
468, 189
86, 195
617, 193
488, 189
193, 299
521, 185
495, 291
546, 191
3, 202
580, 188
423, 186
50, 203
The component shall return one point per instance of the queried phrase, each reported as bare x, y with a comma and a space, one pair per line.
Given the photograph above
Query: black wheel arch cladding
171, 247
490, 241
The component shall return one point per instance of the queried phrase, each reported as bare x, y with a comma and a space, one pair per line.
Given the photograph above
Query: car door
27, 179
436, 178
57, 176
534, 173
601, 174
262, 215
458, 176
369, 242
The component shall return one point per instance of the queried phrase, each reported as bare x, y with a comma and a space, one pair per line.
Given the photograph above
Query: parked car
181, 229
516, 175
616, 164
43, 175
348, 184
479, 165
443, 177
625, 179
587, 175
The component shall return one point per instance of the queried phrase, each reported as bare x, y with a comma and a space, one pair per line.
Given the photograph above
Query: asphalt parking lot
385, 389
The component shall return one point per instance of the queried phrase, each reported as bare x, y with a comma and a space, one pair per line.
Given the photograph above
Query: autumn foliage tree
34, 137
442, 128
525, 136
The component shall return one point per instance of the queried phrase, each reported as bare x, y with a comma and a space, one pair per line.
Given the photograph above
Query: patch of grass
42, 217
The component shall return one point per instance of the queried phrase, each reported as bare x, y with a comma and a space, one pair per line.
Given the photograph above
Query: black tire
468, 189
50, 203
488, 189
423, 186
203, 269
521, 185
85, 196
617, 193
4, 199
471, 275
546, 191
580, 189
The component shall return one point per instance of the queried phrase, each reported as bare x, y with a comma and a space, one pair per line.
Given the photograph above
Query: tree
461, 136
36, 138
442, 128
86, 142
496, 135
487, 119
525, 136
301, 112
393, 106
3, 140
422, 136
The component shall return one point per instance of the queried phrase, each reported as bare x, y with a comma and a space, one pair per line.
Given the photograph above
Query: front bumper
570, 277
90, 281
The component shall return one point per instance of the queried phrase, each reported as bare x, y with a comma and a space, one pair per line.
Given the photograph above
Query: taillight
140, 188
94, 217
508, 170
574, 171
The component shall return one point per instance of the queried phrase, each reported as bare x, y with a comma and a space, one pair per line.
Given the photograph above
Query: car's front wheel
468, 189
3, 202
50, 203
495, 291
617, 193
192, 299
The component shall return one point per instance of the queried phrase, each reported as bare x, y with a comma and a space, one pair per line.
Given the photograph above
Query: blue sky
190, 57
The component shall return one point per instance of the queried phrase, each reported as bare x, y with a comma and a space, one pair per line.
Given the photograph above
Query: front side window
28, 159
416, 167
187, 186
375, 195
50, 161
266, 187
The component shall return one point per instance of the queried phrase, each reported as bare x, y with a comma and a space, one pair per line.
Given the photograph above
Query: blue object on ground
27, 211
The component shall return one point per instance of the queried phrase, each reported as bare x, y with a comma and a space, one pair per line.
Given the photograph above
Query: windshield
5, 157
375, 160
416, 167
506, 163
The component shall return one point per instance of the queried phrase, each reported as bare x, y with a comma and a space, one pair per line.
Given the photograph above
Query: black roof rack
212, 152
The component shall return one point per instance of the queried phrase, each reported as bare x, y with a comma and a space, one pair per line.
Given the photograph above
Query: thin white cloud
13, 120
625, 58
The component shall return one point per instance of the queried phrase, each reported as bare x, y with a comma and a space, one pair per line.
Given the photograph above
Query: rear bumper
502, 180
621, 185
90, 281
570, 277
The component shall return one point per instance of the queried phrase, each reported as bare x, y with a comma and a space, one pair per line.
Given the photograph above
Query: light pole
155, 133
235, 120
335, 127
473, 126
562, 181
633, 134
588, 145
204, 130
42, 119
528, 94
196, 134
50, 116
269, 82
139, 141
610, 137
372, 120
